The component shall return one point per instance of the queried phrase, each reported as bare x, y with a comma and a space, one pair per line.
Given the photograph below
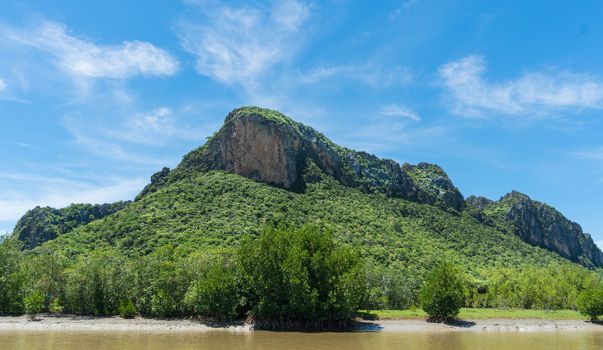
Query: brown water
581, 340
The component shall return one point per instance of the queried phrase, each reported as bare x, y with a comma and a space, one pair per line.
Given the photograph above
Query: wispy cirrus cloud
46, 190
372, 74
157, 127
154, 127
534, 93
236, 45
2, 85
395, 110
592, 154
80, 57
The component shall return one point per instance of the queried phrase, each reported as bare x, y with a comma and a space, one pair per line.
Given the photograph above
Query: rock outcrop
542, 225
267, 146
44, 224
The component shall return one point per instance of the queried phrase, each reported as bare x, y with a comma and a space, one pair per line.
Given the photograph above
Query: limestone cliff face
541, 225
254, 147
266, 152
267, 146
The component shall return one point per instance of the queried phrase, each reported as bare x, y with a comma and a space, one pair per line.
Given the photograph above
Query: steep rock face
44, 224
478, 202
435, 186
269, 147
541, 225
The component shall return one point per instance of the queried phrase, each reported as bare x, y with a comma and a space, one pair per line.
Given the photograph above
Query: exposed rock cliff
267, 146
44, 224
541, 225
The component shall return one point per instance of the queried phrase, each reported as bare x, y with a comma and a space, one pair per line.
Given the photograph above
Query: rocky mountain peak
542, 225
267, 146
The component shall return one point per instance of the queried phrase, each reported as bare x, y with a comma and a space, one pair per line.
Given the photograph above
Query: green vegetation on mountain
44, 224
538, 224
193, 237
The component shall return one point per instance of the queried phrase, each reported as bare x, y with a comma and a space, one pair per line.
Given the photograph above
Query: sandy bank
488, 325
115, 324
110, 324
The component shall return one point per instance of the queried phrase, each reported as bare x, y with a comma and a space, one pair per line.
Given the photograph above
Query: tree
442, 295
301, 278
34, 304
215, 293
12, 277
590, 301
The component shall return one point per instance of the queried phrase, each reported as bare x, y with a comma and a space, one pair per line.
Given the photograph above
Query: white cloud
61, 192
82, 58
2, 85
321, 73
237, 45
593, 154
394, 110
536, 93
154, 127
95, 140
599, 244
369, 73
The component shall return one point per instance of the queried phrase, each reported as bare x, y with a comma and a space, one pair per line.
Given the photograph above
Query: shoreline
116, 324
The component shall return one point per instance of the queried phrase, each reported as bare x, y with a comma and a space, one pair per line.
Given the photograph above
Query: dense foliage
301, 276
255, 278
216, 209
442, 296
283, 278
590, 301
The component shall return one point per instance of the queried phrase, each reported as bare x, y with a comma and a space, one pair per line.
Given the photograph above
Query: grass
477, 314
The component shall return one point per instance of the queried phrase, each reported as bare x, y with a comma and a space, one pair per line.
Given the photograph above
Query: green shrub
590, 301
34, 304
391, 287
216, 293
55, 306
126, 309
442, 295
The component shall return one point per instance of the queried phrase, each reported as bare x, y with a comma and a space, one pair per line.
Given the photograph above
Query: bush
55, 306
391, 287
34, 304
126, 309
442, 295
216, 293
590, 301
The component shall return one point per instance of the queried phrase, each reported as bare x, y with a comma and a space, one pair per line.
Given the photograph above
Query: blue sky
503, 95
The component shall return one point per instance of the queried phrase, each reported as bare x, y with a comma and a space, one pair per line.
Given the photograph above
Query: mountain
44, 224
541, 225
262, 168
267, 146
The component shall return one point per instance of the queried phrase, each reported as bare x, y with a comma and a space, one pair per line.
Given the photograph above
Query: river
262, 340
